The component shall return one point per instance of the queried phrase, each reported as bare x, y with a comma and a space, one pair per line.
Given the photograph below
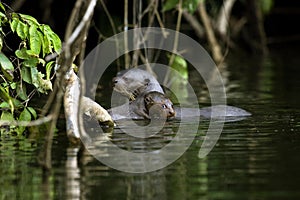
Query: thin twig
127, 58
215, 47
175, 46
36, 122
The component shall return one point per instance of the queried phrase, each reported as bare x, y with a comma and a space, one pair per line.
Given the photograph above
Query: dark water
257, 158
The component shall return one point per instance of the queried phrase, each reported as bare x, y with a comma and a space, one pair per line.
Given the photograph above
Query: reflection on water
257, 158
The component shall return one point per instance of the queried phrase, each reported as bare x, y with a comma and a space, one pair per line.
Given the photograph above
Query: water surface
256, 158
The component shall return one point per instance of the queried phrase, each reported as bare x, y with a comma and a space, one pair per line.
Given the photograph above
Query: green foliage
189, 5
179, 78
24, 71
266, 5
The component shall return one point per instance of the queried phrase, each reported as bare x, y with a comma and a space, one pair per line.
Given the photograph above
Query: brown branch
74, 38
215, 47
223, 17
193, 21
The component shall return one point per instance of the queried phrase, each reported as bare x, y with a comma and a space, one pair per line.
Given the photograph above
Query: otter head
134, 82
158, 106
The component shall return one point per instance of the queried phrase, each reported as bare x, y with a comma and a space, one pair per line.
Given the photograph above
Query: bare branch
193, 21
223, 17
215, 47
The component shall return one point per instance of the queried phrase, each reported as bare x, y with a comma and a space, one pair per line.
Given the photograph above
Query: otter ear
146, 82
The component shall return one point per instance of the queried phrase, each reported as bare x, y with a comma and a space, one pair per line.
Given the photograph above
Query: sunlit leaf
7, 116
29, 19
45, 85
33, 112
49, 67
53, 37
6, 67
34, 40
22, 53
3, 17
191, 5
20, 30
179, 78
2, 7
14, 24
46, 44
13, 85
180, 65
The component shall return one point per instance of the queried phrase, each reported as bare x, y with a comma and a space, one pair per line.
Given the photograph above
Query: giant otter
135, 81
146, 94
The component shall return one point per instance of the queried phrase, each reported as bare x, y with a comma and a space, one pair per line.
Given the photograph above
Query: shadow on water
256, 158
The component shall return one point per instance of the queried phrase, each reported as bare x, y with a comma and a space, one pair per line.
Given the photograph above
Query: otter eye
164, 106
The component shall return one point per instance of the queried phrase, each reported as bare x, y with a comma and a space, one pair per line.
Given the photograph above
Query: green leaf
4, 104
179, 78
49, 67
41, 38
34, 77
3, 18
53, 37
1, 43
46, 45
34, 40
14, 24
17, 103
266, 6
2, 7
180, 65
6, 116
25, 115
33, 112
23, 53
191, 5
37, 80
4, 95
29, 19
20, 30
32, 62
13, 85
169, 5
26, 75
6, 67
44, 85
21, 92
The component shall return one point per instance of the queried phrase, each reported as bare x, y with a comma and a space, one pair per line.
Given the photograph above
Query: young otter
153, 105
158, 106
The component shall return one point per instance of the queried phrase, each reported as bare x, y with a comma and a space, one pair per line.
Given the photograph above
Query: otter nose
171, 113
